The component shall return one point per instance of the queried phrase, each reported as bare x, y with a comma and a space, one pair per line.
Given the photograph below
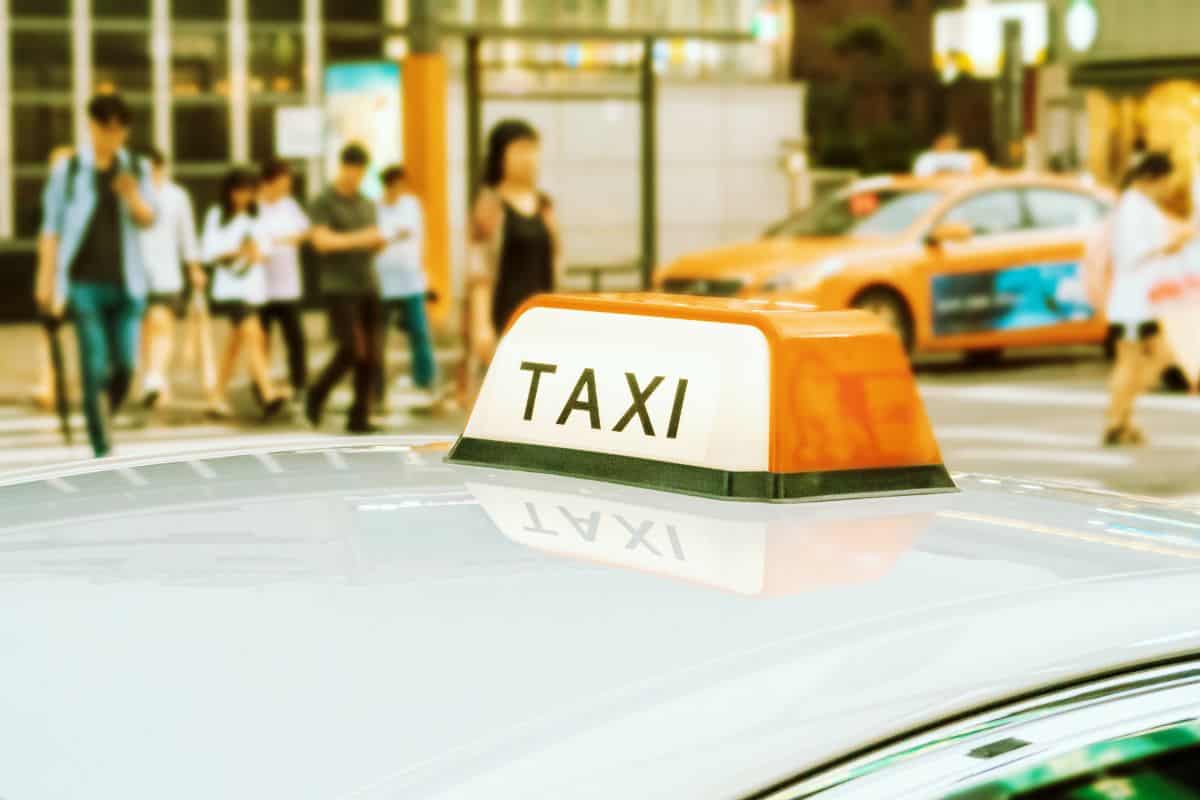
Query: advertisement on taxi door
1019, 298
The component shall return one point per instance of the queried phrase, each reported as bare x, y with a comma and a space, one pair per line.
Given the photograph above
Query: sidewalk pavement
30, 436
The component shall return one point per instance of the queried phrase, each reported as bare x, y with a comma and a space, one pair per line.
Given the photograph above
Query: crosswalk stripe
1040, 456
1034, 395
1031, 436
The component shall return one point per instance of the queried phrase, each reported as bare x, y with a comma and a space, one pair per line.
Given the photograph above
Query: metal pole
473, 94
649, 97
1013, 81
6, 110
425, 150
423, 34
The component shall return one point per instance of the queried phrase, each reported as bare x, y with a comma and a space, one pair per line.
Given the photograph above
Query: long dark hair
237, 178
1152, 166
504, 134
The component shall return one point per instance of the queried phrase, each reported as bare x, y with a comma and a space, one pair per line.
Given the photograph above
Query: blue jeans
108, 322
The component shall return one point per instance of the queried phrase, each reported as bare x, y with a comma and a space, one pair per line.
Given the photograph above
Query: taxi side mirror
948, 232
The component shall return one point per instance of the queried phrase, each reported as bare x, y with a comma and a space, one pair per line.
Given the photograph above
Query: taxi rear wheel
891, 308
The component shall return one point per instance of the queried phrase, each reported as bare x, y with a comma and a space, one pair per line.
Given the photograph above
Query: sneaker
363, 428
218, 411
272, 409
313, 409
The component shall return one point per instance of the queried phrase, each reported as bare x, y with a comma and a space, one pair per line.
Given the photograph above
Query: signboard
299, 132
363, 105
1018, 298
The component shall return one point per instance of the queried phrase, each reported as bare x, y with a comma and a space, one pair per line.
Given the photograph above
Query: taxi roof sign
724, 398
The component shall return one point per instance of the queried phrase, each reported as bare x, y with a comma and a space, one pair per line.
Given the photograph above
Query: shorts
172, 301
235, 310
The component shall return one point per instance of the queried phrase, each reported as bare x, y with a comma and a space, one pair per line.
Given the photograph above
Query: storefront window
27, 200
276, 62
276, 10
38, 128
135, 9
357, 11
121, 62
41, 61
200, 9
201, 132
199, 63
358, 48
40, 8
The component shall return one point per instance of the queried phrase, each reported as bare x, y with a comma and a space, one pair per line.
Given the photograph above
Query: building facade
874, 98
1131, 73
205, 77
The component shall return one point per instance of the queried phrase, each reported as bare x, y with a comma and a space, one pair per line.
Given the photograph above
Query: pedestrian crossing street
1036, 431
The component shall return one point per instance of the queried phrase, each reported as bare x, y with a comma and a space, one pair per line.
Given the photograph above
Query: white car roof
371, 622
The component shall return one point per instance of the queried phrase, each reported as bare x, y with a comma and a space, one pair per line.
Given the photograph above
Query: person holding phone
286, 226
401, 271
96, 202
234, 244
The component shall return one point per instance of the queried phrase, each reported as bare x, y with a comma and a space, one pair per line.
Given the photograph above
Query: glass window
41, 61
262, 133
200, 9
205, 191
40, 8
1056, 208
27, 201
276, 10
859, 212
121, 62
38, 129
138, 9
141, 129
989, 213
276, 62
353, 49
201, 132
199, 63
356, 11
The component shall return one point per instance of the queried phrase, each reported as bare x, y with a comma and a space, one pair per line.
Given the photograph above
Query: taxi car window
1162, 764
873, 212
1058, 208
989, 213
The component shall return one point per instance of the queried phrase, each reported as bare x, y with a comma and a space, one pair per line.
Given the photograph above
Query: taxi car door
1014, 282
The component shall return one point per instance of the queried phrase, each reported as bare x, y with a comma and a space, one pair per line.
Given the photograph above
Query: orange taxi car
977, 263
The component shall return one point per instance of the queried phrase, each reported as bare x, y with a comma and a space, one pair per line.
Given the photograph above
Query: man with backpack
95, 204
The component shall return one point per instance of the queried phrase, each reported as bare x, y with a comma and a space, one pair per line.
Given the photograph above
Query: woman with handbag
234, 244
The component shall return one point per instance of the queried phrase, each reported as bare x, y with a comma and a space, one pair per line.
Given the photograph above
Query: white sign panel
299, 132
673, 390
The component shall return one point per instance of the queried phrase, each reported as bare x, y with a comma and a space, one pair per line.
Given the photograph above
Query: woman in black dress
514, 248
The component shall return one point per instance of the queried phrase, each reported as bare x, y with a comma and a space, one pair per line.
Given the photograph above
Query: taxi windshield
859, 212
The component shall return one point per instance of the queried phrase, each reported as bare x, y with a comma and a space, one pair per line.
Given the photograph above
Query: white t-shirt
1139, 229
243, 283
283, 219
170, 241
401, 266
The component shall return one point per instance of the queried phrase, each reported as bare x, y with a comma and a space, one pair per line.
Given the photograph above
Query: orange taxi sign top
739, 399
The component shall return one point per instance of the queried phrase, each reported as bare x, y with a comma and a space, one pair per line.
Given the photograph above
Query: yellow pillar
425, 159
